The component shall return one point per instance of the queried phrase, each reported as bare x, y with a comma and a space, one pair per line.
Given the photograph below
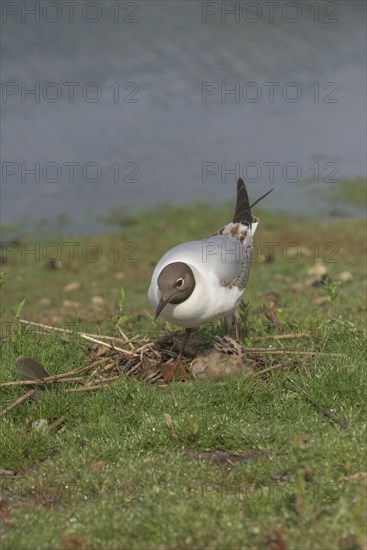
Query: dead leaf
173, 371
270, 314
29, 369
97, 300
275, 538
8, 473
71, 543
27, 425
99, 465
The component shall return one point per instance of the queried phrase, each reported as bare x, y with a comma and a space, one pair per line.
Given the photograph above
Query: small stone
99, 465
316, 281
40, 425
283, 278
318, 270
345, 276
97, 300
45, 302
296, 287
306, 251
321, 301
70, 304
72, 286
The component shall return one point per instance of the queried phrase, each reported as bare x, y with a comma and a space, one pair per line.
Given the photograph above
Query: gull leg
236, 327
225, 325
188, 331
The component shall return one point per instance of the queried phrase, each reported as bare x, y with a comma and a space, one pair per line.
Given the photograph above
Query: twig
342, 423
106, 344
7, 472
81, 334
292, 352
124, 336
108, 367
353, 477
267, 369
17, 402
42, 381
145, 346
55, 377
96, 387
283, 336
56, 424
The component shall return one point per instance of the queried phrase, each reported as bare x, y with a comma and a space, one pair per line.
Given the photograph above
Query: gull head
176, 283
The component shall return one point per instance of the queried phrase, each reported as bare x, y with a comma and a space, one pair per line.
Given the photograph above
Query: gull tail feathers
262, 197
242, 213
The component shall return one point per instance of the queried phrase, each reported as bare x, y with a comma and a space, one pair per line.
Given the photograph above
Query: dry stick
92, 388
283, 336
57, 423
124, 336
17, 402
267, 369
289, 352
65, 330
54, 378
106, 344
42, 381
342, 423
108, 367
81, 334
113, 338
134, 368
83, 369
145, 346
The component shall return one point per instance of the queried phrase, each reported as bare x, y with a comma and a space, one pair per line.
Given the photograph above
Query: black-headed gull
201, 281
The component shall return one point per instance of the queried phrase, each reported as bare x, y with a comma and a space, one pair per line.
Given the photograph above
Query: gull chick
227, 360
201, 281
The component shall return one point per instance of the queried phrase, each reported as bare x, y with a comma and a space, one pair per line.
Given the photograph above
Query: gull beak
161, 305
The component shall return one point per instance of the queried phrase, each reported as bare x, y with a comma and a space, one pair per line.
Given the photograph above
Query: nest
108, 358
156, 361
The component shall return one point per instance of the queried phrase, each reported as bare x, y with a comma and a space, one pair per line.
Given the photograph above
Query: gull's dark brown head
176, 282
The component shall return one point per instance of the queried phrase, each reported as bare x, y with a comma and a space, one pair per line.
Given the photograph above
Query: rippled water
172, 143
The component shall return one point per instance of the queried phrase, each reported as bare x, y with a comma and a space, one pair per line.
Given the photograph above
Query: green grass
347, 191
113, 476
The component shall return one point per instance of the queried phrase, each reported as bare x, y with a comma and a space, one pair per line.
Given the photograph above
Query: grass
347, 191
250, 463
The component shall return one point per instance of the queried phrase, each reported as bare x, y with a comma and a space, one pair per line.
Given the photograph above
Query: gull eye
180, 282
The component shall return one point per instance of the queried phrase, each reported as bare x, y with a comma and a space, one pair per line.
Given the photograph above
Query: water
169, 141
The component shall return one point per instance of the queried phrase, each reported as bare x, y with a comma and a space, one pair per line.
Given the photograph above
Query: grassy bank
249, 463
